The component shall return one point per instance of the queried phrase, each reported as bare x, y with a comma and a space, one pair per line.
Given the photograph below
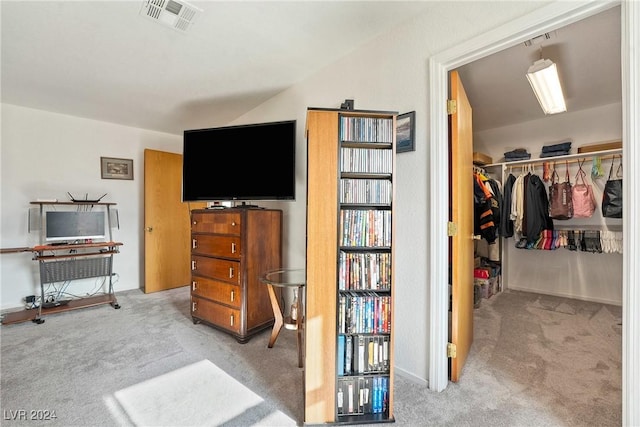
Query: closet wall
574, 274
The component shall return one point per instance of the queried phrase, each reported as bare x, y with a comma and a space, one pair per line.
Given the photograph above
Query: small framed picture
405, 132
113, 168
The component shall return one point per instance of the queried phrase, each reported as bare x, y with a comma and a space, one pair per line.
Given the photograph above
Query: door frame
548, 18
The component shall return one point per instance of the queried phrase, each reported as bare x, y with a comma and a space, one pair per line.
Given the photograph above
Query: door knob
149, 229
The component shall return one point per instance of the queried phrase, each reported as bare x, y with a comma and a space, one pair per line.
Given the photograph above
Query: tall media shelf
349, 264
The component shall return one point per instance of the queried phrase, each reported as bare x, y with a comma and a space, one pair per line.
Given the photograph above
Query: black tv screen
245, 162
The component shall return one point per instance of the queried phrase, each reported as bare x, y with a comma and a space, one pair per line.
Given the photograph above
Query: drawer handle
195, 222
233, 295
230, 272
231, 320
193, 285
233, 223
233, 248
193, 306
193, 265
194, 243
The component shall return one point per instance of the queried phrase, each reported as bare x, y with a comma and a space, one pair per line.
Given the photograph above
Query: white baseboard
411, 377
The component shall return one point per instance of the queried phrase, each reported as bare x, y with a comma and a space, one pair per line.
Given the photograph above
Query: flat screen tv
240, 163
69, 226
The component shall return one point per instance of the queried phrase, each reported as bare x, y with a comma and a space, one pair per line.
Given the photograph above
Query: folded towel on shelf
516, 153
565, 146
554, 153
520, 157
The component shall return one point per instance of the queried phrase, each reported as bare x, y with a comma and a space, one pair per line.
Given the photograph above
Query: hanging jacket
496, 202
537, 209
517, 205
506, 223
483, 214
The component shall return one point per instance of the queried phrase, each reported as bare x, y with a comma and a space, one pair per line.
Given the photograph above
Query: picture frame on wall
405, 132
114, 168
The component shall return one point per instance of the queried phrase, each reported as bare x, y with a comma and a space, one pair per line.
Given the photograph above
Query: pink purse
584, 203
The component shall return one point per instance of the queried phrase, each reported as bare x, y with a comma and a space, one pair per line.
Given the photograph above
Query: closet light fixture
543, 77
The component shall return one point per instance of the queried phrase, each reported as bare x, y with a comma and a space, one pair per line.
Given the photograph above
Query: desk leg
38, 318
277, 314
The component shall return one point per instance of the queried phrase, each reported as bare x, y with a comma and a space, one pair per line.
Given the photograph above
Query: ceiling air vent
178, 15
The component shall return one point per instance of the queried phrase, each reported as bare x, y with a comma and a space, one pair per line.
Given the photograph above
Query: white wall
582, 128
581, 275
44, 155
390, 73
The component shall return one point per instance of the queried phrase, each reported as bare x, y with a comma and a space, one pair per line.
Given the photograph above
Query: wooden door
461, 213
166, 223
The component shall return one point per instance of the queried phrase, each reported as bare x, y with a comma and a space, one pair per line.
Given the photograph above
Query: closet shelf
571, 158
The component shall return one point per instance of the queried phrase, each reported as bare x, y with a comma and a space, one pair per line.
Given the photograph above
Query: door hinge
451, 350
452, 106
452, 229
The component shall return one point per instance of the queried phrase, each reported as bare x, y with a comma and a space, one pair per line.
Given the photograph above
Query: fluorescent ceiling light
543, 76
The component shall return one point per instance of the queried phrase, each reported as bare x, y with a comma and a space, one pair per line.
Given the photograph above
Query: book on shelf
348, 357
341, 354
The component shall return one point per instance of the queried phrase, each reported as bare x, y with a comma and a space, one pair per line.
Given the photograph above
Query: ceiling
587, 54
102, 60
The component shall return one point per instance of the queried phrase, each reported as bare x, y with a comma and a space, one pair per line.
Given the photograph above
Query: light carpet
200, 394
536, 361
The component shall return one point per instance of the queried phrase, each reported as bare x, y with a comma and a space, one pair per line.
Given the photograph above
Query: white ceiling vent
178, 15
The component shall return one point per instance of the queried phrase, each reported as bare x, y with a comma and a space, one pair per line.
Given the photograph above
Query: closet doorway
551, 17
576, 274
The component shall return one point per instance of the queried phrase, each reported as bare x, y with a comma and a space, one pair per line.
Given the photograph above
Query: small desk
286, 278
77, 261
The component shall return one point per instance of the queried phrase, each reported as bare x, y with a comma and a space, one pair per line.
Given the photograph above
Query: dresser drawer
216, 314
223, 246
214, 268
221, 292
216, 222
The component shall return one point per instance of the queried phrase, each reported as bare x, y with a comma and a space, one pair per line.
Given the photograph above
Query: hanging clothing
517, 204
525, 184
537, 209
496, 202
494, 195
506, 223
483, 222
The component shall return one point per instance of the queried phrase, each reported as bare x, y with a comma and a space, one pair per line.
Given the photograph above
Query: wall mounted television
69, 226
240, 163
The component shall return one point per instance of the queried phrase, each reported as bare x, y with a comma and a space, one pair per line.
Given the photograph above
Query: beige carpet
536, 361
200, 394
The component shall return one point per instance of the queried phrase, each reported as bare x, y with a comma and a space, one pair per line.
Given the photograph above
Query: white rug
200, 394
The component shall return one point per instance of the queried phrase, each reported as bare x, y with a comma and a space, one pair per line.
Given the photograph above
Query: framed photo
405, 132
113, 168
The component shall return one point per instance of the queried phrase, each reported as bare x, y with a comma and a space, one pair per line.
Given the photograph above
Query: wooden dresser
230, 249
